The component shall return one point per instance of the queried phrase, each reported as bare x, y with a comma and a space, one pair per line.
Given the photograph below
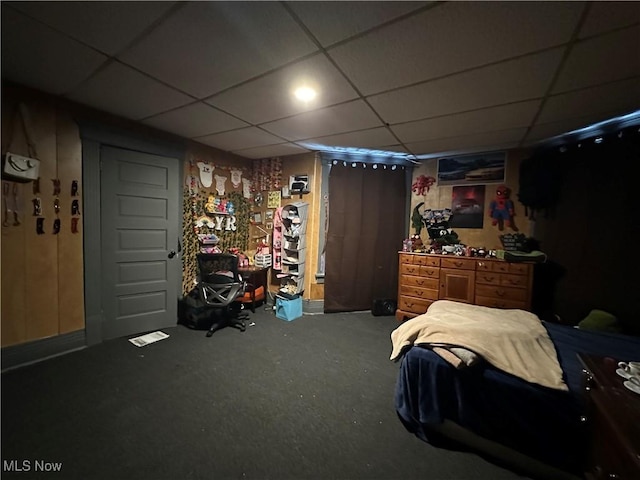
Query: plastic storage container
288, 310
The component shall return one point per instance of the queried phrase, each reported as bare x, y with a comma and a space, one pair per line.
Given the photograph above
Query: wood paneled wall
42, 275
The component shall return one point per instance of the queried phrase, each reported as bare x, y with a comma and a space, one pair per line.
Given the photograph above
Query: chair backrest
218, 268
220, 282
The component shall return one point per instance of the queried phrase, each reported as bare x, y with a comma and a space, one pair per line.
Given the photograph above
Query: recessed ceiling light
305, 94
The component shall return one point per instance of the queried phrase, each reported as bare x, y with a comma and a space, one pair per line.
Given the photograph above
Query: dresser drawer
414, 305
426, 260
484, 266
509, 280
499, 302
419, 292
429, 272
406, 258
488, 278
501, 293
457, 262
409, 269
501, 267
422, 282
519, 268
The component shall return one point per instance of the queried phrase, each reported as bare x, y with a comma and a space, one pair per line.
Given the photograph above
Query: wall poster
479, 168
467, 206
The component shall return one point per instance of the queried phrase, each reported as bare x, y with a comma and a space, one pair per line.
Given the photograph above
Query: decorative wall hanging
246, 188
206, 173
21, 168
10, 205
236, 177
216, 222
220, 181
192, 182
422, 185
267, 174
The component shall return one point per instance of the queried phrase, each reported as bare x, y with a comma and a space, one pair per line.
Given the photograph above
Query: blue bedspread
540, 422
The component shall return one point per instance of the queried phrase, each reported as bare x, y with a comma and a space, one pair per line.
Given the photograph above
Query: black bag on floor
193, 313
382, 307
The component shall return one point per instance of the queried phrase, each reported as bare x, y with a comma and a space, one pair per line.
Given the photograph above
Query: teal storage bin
288, 310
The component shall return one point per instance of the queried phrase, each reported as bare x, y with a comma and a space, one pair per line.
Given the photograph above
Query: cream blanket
512, 340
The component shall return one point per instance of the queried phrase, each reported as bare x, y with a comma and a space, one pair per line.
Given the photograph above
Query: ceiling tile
485, 120
39, 57
601, 59
194, 120
453, 37
489, 141
372, 138
270, 97
331, 22
122, 91
209, 46
350, 116
240, 139
525, 78
107, 26
605, 99
606, 16
271, 151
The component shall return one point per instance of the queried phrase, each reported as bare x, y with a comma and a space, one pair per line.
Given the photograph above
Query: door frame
93, 136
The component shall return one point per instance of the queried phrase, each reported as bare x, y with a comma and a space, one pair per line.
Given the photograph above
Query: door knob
172, 254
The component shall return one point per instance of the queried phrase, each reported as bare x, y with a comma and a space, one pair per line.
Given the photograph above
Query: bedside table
613, 416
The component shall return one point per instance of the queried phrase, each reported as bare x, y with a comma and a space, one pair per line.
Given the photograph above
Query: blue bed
540, 422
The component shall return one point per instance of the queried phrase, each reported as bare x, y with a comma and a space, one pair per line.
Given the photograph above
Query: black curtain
365, 232
591, 236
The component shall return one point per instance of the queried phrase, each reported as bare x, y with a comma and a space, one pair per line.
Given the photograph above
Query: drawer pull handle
457, 264
489, 279
500, 292
420, 282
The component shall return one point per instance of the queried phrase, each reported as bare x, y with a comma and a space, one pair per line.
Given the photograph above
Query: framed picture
273, 200
257, 217
479, 168
467, 206
268, 215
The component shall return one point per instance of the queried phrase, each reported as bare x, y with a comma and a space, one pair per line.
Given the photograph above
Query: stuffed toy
501, 208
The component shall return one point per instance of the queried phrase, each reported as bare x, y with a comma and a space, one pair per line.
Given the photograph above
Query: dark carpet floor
308, 399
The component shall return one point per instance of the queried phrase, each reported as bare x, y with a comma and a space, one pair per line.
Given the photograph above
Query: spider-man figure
501, 208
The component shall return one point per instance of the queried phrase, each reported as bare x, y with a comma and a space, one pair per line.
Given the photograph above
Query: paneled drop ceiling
419, 79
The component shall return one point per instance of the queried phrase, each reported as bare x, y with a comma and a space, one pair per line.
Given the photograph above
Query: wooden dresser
613, 418
424, 278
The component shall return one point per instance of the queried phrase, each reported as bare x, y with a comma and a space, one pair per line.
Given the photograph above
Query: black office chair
220, 286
